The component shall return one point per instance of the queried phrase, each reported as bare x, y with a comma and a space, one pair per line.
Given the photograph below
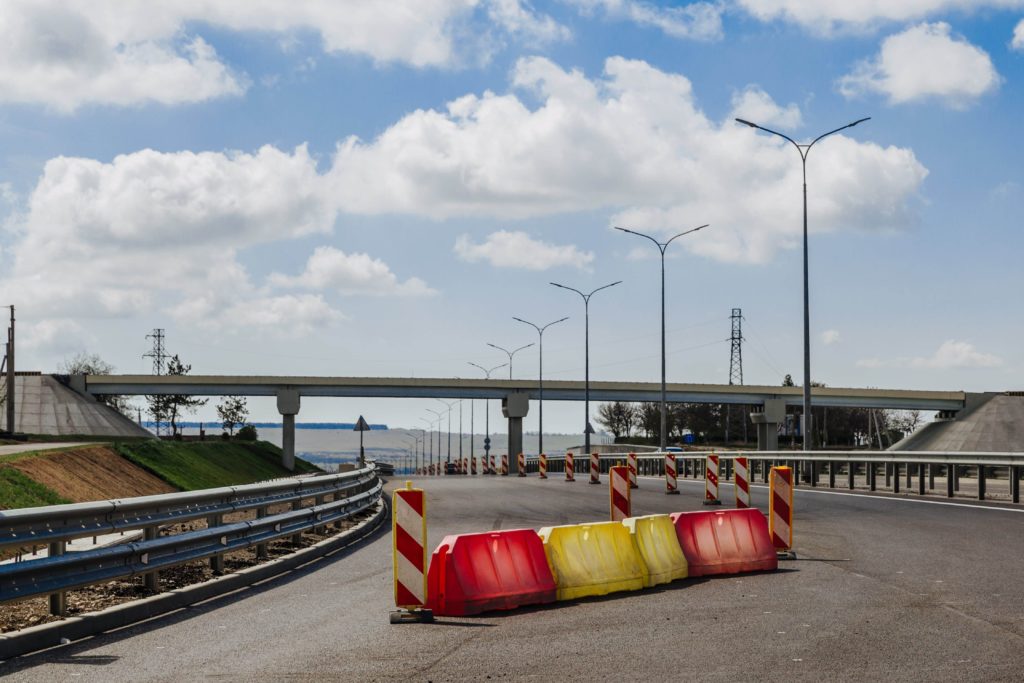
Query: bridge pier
515, 406
771, 415
288, 405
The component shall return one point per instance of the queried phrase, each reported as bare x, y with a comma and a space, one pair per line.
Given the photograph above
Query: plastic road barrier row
570, 468
497, 570
780, 507
655, 539
543, 467
631, 463
711, 480
595, 468
409, 551
522, 464
619, 495
725, 541
671, 481
593, 559
742, 483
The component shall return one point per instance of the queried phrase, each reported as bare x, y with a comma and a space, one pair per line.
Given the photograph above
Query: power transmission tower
159, 356
735, 365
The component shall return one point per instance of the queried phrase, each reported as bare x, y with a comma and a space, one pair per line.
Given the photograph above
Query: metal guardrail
56, 525
922, 465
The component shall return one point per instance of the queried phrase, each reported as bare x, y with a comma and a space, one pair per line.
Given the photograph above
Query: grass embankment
190, 465
19, 491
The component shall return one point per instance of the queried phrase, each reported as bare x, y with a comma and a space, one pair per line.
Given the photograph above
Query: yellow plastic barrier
656, 541
593, 559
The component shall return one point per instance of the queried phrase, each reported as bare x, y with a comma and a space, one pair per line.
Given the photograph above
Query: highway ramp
885, 588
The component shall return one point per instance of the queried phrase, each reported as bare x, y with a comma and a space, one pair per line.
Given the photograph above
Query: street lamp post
440, 421
430, 460
804, 150
540, 376
662, 246
587, 428
448, 459
487, 413
509, 354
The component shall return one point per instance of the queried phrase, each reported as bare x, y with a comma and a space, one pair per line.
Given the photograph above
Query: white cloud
950, 354
53, 336
925, 62
830, 337
288, 315
507, 249
632, 141
69, 53
697, 20
828, 15
333, 269
1018, 36
754, 104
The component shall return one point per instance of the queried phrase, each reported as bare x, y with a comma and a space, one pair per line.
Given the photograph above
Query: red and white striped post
492, 470
711, 480
472, 466
522, 464
742, 483
780, 511
409, 554
543, 466
570, 467
671, 485
504, 464
631, 463
595, 468
618, 486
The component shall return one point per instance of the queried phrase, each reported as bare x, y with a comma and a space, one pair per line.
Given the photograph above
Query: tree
83, 363
232, 412
788, 381
171, 406
619, 418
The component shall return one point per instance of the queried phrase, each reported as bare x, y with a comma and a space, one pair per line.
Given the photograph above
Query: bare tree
232, 412
84, 363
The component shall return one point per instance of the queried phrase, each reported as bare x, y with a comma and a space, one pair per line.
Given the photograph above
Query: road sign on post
361, 427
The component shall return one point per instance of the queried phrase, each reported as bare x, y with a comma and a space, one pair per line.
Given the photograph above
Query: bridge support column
515, 406
767, 421
288, 406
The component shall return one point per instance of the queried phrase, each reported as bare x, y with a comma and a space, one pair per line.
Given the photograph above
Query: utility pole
159, 355
10, 374
735, 366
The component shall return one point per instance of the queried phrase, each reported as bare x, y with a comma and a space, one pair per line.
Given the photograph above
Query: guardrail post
888, 475
850, 472
1014, 483
58, 600
831, 474
895, 477
920, 479
981, 482
950, 484
872, 475
152, 579
909, 481
320, 500
931, 477
217, 561
297, 538
261, 548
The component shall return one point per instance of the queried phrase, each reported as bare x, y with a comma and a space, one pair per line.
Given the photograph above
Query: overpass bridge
768, 402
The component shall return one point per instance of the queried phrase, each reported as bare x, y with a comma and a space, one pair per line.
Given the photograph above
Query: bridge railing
817, 467
281, 510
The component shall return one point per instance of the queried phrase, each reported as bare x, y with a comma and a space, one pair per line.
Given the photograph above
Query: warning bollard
472, 466
595, 468
711, 481
631, 463
780, 511
409, 555
492, 470
618, 478
543, 466
671, 474
504, 464
522, 464
742, 483
570, 468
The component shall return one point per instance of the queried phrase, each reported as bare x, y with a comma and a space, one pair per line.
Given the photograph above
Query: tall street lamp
587, 428
487, 413
804, 150
662, 246
440, 421
451, 405
509, 354
540, 376
430, 459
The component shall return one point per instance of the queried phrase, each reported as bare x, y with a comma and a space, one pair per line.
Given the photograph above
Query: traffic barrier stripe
409, 551
725, 541
671, 474
521, 459
742, 483
631, 463
543, 466
595, 468
570, 467
504, 464
780, 507
593, 559
618, 488
711, 478
498, 570
655, 539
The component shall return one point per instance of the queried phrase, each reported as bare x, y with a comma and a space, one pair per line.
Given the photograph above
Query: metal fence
829, 467
334, 498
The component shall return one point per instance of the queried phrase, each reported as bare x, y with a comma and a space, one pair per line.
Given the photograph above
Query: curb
34, 638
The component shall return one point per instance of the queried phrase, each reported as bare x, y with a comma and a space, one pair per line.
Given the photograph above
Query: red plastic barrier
474, 573
725, 541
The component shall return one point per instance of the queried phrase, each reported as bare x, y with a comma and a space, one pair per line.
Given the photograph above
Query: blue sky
354, 188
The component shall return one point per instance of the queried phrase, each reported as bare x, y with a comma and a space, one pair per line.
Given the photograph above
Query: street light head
858, 121
747, 123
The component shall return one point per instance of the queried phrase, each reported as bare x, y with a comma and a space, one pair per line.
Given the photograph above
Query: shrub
247, 433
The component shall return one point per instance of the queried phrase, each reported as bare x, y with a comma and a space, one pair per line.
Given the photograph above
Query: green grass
18, 491
191, 465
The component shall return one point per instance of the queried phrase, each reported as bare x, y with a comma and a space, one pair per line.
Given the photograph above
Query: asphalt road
883, 589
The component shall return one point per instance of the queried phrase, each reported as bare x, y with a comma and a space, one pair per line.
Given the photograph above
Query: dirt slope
91, 473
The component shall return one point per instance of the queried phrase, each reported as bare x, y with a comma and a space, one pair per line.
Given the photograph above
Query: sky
360, 188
